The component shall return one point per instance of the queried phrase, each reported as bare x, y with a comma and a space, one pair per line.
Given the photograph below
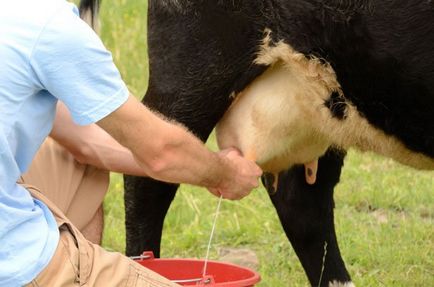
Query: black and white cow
309, 79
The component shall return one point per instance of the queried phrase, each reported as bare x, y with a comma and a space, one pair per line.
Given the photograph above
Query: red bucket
188, 272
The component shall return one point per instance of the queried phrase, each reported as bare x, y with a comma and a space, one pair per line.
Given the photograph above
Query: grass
384, 211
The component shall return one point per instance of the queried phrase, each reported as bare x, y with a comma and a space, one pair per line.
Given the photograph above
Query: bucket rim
251, 281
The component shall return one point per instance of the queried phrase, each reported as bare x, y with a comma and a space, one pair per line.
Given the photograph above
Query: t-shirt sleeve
70, 61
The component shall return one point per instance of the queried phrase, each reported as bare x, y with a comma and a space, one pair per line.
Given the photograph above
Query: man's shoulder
23, 20
30, 11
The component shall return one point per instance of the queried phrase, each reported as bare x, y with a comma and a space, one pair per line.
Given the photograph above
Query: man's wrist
223, 170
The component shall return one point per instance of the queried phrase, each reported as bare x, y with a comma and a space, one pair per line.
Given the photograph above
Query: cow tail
89, 12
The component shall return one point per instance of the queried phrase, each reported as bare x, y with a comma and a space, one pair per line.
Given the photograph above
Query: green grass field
384, 211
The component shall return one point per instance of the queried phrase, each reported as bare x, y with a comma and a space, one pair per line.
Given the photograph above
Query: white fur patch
280, 119
341, 284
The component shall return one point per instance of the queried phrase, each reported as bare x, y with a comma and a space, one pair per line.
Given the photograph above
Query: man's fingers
257, 171
231, 150
245, 177
311, 169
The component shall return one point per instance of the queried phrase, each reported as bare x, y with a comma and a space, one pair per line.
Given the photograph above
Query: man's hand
243, 179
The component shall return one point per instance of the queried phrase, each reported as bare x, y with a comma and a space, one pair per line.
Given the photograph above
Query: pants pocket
142, 277
63, 268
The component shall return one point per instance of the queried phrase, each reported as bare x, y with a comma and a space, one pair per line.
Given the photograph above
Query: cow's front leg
306, 214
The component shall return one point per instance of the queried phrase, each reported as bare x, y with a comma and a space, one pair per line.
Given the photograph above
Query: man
47, 54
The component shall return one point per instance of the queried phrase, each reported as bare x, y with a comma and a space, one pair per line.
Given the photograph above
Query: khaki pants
78, 190
78, 262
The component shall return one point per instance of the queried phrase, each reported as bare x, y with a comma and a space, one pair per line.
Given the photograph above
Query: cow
345, 73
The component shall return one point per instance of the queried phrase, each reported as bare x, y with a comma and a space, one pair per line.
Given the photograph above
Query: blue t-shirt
46, 54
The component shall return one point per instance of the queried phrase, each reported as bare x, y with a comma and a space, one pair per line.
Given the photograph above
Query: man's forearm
166, 151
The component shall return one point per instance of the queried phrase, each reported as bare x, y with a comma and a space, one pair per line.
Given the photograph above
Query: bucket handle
145, 255
207, 280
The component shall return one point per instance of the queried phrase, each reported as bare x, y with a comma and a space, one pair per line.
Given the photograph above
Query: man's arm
168, 152
79, 71
92, 145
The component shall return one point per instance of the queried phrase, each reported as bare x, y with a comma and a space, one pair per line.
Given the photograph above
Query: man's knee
93, 231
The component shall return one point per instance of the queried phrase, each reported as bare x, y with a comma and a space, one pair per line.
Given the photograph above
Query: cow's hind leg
146, 200
146, 205
306, 213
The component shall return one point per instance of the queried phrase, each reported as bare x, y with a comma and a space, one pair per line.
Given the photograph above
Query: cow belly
283, 117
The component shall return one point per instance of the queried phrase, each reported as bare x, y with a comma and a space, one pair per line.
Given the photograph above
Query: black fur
337, 106
381, 50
